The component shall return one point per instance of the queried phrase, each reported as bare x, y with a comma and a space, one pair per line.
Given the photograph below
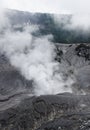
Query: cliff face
54, 24
19, 110
75, 59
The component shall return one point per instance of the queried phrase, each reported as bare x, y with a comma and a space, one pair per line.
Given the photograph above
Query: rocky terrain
20, 110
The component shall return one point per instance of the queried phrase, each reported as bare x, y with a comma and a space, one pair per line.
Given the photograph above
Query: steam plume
74, 21
34, 58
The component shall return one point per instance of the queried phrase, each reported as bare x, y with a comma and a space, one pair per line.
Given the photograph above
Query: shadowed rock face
21, 111
83, 51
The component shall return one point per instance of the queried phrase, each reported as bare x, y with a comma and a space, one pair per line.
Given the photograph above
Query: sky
50, 6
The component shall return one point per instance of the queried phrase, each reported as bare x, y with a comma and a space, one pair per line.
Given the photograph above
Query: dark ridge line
12, 96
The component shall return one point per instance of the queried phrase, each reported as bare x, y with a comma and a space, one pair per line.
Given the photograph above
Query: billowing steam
81, 21
34, 59
74, 21
4, 22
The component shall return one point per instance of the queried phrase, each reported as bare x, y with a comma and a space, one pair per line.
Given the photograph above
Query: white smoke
74, 21
34, 58
4, 21
80, 21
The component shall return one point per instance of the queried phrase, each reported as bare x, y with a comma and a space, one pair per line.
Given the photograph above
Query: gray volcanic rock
19, 110
76, 56
64, 111
83, 51
74, 65
13, 86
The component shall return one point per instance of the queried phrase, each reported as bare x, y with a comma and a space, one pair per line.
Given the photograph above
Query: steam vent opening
44, 65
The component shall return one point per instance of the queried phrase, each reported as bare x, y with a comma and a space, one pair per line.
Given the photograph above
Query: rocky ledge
51, 112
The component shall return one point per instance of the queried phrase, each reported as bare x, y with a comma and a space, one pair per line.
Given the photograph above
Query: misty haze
44, 65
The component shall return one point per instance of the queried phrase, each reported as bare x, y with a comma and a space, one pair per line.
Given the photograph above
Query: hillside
47, 25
